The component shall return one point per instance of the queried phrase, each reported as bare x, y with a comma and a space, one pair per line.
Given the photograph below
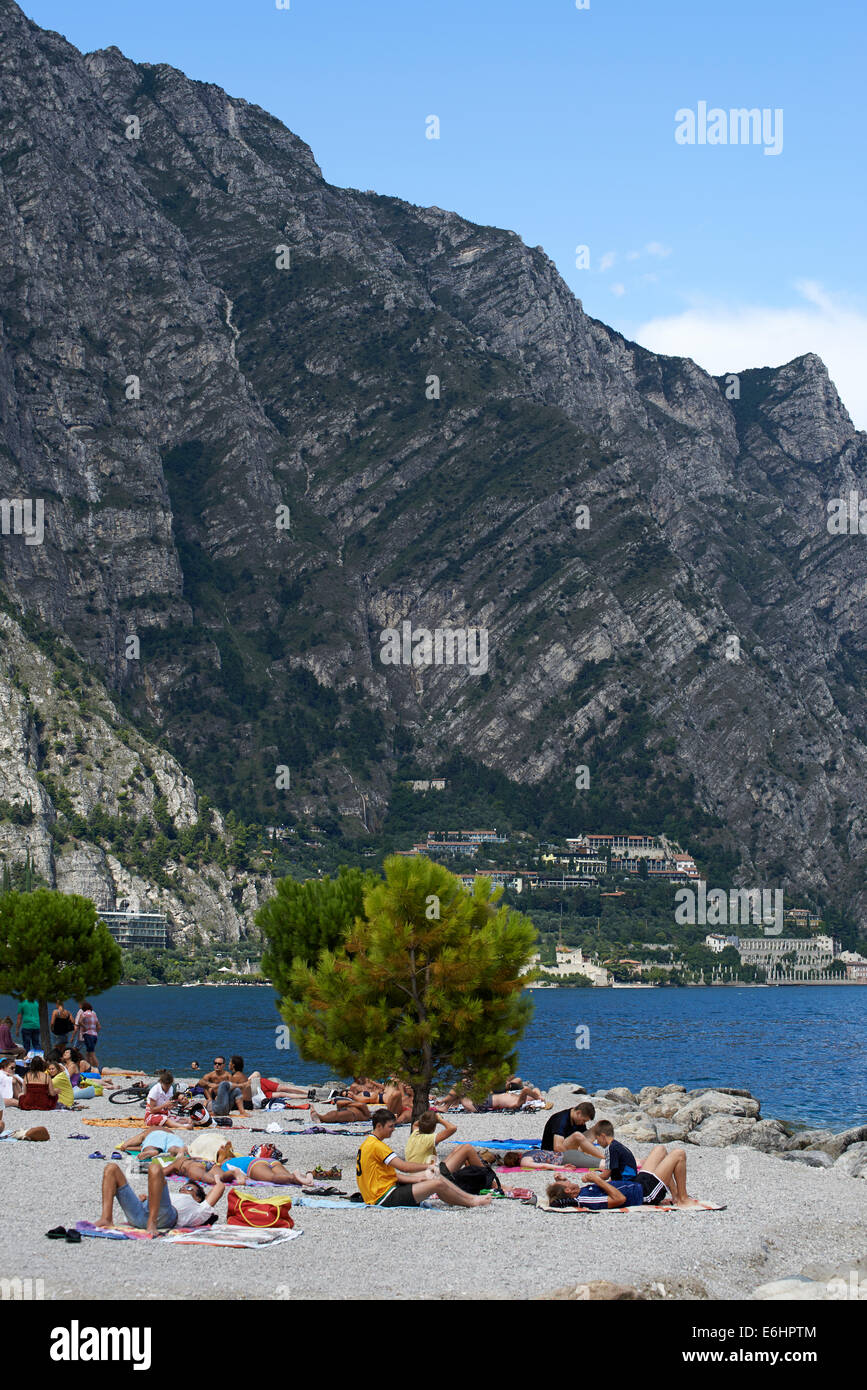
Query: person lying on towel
160, 1210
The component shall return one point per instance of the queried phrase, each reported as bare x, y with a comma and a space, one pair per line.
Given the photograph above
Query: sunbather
150, 1142
384, 1180
202, 1170
598, 1194
252, 1169
161, 1210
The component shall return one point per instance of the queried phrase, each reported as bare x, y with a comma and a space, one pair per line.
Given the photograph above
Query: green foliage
53, 946
427, 985
304, 919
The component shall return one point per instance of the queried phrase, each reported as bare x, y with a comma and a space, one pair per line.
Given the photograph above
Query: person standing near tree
27, 1024
62, 1024
87, 1027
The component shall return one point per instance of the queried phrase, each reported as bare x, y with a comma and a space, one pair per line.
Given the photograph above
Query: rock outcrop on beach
269, 417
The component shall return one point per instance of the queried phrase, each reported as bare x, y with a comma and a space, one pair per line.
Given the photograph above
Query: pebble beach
780, 1218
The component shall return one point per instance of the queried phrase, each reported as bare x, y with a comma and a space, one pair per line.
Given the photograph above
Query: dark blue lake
801, 1050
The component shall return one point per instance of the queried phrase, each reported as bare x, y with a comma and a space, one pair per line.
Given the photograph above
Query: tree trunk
44, 1029
420, 1100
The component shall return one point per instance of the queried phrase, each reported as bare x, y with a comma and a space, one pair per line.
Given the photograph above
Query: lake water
801, 1050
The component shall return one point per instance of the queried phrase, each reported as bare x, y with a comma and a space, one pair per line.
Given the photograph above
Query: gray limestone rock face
166, 385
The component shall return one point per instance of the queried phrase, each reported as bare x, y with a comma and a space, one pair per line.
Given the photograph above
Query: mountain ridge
307, 388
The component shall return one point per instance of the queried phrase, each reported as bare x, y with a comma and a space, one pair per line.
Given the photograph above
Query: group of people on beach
208, 1165
85, 1028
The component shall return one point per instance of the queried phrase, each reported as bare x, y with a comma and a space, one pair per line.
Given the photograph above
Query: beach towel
505, 1144
241, 1237
335, 1202
545, 1205
120, 1232
555, 1172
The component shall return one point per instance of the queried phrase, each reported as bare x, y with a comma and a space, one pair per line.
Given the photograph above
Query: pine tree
427, 985
53, 946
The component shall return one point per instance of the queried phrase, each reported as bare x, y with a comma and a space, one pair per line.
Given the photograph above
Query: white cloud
656, 248
722, 338
608, 260
618, 290
633, 255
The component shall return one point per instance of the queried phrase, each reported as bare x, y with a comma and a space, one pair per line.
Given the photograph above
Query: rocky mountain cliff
270, 418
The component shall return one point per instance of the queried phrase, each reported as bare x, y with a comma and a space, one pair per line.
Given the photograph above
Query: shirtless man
212, 1079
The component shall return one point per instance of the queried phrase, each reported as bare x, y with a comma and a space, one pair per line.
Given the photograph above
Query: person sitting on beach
253, 1169
566, 1134
70, 1059
39, 1091
619, 1161
233, 1092
8, 1046
212, 1080
63, 1086
421, 1146
161, 1098
162, 1210
11, 1084
384, 1180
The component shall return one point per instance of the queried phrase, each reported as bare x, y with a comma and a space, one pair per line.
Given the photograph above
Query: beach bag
265, 1151
474, 1178
262, 1213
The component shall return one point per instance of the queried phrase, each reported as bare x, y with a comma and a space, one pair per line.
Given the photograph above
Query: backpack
266, 1151
473, 1178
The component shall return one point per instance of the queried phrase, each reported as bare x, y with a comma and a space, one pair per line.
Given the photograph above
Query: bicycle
130, 1095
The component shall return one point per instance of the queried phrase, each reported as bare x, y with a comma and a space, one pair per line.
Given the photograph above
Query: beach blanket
555, 1172
119, 1232
504, 1144
544, 1205
344, 1205
241, 1237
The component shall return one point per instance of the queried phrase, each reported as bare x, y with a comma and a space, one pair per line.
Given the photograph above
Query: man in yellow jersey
384, 1180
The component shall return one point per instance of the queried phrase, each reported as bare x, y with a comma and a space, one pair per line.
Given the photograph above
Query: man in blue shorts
160, 1211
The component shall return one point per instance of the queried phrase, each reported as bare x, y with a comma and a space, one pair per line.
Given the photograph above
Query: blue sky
560, 123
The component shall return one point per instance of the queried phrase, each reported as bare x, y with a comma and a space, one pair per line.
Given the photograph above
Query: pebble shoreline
781, 1212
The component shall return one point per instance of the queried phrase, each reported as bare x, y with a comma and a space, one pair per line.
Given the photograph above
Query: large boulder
638, 1132
717, 1131
811, 1158
839, 1143
665, 1107
854, 1161
794, 1290
620, 1094
669, 1132
811, 1138
597, 1290
769, 1137
714, 1103
648, 1094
